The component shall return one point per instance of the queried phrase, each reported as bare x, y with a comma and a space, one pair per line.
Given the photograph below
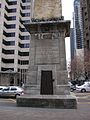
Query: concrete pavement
9, 111
27, 113
18, 113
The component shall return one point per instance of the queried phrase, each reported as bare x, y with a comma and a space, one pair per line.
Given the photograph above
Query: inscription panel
47, 51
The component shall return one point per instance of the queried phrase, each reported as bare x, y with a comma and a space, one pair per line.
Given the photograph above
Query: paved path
9, 111
14, 113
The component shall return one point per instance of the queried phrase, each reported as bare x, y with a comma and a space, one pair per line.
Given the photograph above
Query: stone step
47, 101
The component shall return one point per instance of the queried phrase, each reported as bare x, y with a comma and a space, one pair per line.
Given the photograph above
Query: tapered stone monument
47, 81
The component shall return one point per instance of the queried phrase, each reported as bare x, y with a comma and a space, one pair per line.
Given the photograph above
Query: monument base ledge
47, 101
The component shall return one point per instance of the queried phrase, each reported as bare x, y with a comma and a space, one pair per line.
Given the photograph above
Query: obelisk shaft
46, 9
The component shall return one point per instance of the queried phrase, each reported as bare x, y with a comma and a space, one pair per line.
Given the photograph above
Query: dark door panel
46, 83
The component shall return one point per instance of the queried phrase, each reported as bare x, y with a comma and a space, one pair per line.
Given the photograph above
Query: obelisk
47, 48
46, 83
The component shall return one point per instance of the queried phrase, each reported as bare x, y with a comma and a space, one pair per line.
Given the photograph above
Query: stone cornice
33, 27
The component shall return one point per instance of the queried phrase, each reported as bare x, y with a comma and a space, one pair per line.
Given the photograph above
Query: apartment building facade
14, 41
85, 6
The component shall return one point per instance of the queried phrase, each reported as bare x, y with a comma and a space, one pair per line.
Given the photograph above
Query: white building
14, 41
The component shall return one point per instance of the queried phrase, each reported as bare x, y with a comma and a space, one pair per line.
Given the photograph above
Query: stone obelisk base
46, 85
47, 101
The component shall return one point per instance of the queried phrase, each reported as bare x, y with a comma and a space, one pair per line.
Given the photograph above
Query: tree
77, 67
80, 65
87, 62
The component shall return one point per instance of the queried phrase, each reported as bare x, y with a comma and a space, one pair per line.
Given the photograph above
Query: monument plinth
47, 75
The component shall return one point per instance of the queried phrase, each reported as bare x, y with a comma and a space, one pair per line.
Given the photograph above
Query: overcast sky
67, 11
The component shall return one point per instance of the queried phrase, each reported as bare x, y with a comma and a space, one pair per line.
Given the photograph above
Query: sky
67, 12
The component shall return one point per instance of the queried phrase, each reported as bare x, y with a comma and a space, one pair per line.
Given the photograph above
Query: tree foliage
77, 67
80, 66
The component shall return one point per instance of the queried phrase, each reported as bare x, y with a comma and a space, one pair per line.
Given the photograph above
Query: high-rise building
72, 43
78, 28
14, 41
77, 44
85, 6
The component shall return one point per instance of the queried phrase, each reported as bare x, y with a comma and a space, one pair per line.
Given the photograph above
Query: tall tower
14, 41
78, 28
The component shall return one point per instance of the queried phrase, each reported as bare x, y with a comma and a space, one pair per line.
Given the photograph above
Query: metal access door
46, 83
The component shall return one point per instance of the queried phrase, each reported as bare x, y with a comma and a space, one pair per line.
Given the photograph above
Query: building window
7, 60
10, 18
22, 29
24, 1
24, 45
8, 43
88, 47
6, 69
86, 19
24, 14
86, 34
11, 2
10, 26
13, 10
23, 53
27, 37
7, 51
24, 62
85, 13
27, 7
25, 21
12, 34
